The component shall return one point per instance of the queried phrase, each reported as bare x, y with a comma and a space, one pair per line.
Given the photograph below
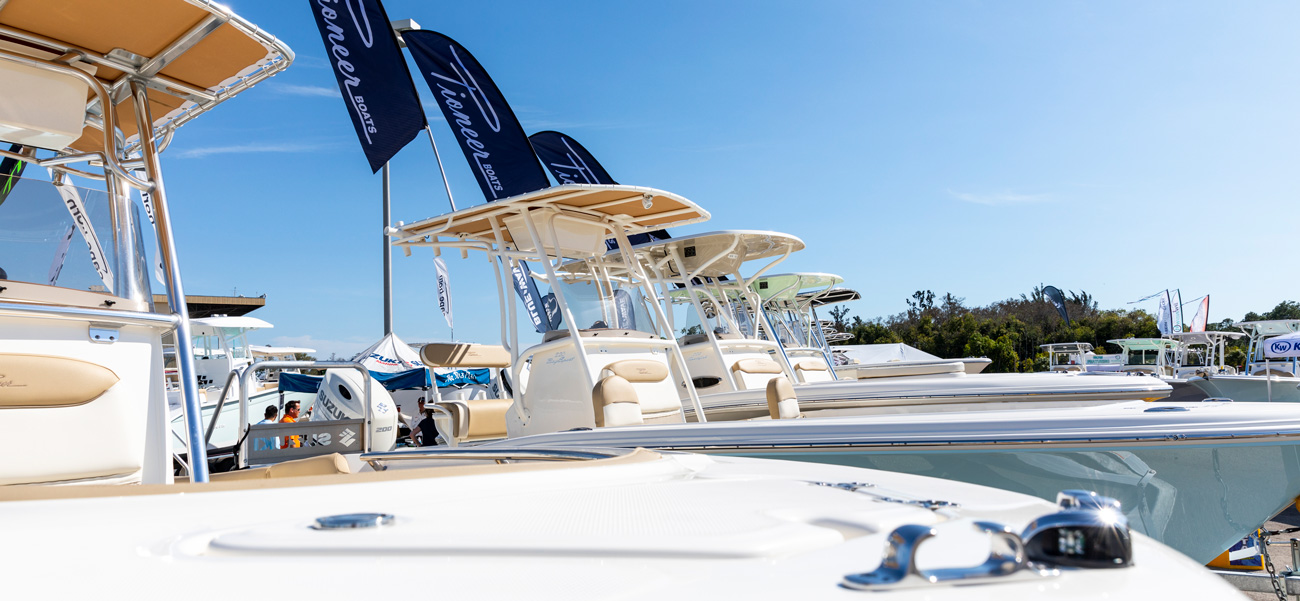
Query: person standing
291, 416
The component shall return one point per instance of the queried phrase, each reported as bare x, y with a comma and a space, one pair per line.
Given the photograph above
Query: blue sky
978, 148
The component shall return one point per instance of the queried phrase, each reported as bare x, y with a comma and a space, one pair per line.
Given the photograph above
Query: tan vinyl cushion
638, 370
464, 355
811, 365
322, 465
49, 381
609, 391
757, 366
487, 418
780, 390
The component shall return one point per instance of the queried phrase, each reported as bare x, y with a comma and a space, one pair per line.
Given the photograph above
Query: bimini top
634, 209
1273, 327
1143, 344
715, 254
1204, 337
786, 286
1067, 347
240, 321
194, 54
829, 296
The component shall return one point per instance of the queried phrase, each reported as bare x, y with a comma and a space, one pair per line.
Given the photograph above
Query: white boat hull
1197, 477
1251, 389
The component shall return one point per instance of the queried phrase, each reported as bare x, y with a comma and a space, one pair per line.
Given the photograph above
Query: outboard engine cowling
340, 397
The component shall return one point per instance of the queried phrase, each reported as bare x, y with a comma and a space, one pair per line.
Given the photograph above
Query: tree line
1010, 331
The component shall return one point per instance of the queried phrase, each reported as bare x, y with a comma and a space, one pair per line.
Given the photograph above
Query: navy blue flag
489, 134
371, 71
567, 160
526, 287
570, 163
1053, 294
10, 170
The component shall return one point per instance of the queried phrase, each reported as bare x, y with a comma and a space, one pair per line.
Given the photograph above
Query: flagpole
438, 157
388, 256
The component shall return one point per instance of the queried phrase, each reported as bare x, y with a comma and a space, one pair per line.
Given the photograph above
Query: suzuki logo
347, 437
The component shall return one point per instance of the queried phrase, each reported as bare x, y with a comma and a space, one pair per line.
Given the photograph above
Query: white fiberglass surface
41, 243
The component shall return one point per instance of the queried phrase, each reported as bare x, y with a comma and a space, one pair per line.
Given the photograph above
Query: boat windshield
598, 307
1144, 356
41, 241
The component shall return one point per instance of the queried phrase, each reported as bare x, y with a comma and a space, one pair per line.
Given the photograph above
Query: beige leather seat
781, 401
477, 419
616, 401
754, 373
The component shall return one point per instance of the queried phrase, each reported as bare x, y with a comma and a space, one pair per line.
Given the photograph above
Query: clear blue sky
978, 148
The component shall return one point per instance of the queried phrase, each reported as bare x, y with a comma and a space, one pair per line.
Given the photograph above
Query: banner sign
1177, 304
624, 316
527, 290
77, 209
570, 163
147, 200
1287, 345
1054, 294
1165, 316
444, 289
552, 308
567, 160
10, 170
61, 255
489, 134
371, 72
1202, 315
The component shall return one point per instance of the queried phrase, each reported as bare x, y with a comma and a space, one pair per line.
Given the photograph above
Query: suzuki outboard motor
340, 398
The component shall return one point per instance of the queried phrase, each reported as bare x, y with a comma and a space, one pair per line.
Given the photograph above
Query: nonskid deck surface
1195, 476
681, 525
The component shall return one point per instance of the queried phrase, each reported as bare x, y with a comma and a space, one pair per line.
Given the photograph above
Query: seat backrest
615, 403
647, 381
781, 401
446, 354
812, 370
754, 373
478, 419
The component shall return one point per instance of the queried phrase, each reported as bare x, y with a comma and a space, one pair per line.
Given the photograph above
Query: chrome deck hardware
1090, 531
898, 570
861, 487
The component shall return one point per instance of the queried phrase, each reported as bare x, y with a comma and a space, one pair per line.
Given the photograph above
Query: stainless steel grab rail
376, 460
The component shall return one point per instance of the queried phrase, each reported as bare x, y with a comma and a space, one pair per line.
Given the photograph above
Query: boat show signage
1054, 294
377, 89
10, 170
567, 160
444, 289
571, 163
487, 130
526, 287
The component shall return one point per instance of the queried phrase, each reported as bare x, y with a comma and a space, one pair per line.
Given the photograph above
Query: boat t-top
607, 371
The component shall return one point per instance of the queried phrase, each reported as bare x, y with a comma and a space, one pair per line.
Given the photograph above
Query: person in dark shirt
425, 433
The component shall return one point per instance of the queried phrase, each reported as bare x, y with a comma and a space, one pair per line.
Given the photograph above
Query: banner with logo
377, 89
571, 163
146, 199
10, 170
567, 160
1286, 345
1053, 294
624, 315
61, 255
444, 289
1176, 303
494, 143
1165, 316
77, 209
1202, 315
526, 287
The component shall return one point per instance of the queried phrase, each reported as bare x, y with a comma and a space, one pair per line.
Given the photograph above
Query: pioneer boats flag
371, 71
494, 143
1054, 294
570, 163
567, 160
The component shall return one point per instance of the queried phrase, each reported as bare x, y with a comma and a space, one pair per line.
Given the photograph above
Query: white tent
389, 355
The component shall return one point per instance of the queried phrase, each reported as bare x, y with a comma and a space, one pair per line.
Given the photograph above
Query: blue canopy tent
402, 380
